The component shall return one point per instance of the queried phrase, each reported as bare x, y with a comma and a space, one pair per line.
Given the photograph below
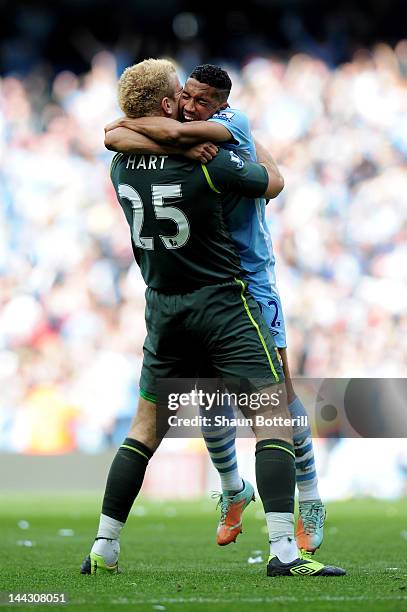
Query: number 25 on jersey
159, 194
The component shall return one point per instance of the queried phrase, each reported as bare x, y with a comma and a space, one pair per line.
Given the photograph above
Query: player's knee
144, 425
273, 420
145, 435
267, 430
148, 440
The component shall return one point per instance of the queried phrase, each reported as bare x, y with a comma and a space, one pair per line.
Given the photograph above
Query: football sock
305, 470
275, 475
124, 480
220, 442
109, 528
280, 527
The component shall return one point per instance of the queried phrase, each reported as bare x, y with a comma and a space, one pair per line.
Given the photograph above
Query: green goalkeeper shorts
219, 325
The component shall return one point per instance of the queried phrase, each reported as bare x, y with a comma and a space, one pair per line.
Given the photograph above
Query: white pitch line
282, 598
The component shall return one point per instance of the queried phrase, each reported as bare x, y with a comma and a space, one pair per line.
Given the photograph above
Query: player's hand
203, 152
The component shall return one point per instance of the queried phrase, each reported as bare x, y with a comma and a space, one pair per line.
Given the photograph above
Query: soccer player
203, 98
194, 298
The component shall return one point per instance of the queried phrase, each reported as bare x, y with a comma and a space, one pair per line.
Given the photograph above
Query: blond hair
144, 85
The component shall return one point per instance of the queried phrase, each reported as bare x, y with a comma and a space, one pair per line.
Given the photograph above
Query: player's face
198, 101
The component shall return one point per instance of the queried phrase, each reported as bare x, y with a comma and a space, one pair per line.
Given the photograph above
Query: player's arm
229, 173
276, 181
127, 141
172, 132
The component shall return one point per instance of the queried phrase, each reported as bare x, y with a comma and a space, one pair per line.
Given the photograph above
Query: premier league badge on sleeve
224, 115
236, 159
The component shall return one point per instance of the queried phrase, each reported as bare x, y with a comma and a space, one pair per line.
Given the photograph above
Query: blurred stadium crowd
71, 298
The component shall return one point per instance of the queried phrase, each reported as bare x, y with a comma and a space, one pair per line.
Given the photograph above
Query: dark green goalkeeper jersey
174, 208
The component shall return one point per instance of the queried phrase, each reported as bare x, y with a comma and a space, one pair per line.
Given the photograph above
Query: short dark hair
213, 76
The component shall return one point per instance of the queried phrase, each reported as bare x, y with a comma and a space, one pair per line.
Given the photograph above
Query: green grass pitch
171, 562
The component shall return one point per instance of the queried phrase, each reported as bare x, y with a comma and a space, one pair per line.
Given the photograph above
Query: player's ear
223, 106
166, 106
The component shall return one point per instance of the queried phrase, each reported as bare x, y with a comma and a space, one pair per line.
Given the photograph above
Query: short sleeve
228, 172
238, 125
236, 122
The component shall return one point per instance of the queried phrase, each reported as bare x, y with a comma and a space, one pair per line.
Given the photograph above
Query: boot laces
311, 517
224, 502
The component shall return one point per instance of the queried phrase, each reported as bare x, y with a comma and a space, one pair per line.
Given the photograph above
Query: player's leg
274, 466
306, 474
245, 350
275, 472
312, 513
124, 482
164, 353
220, 443
237, 493
310, 525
